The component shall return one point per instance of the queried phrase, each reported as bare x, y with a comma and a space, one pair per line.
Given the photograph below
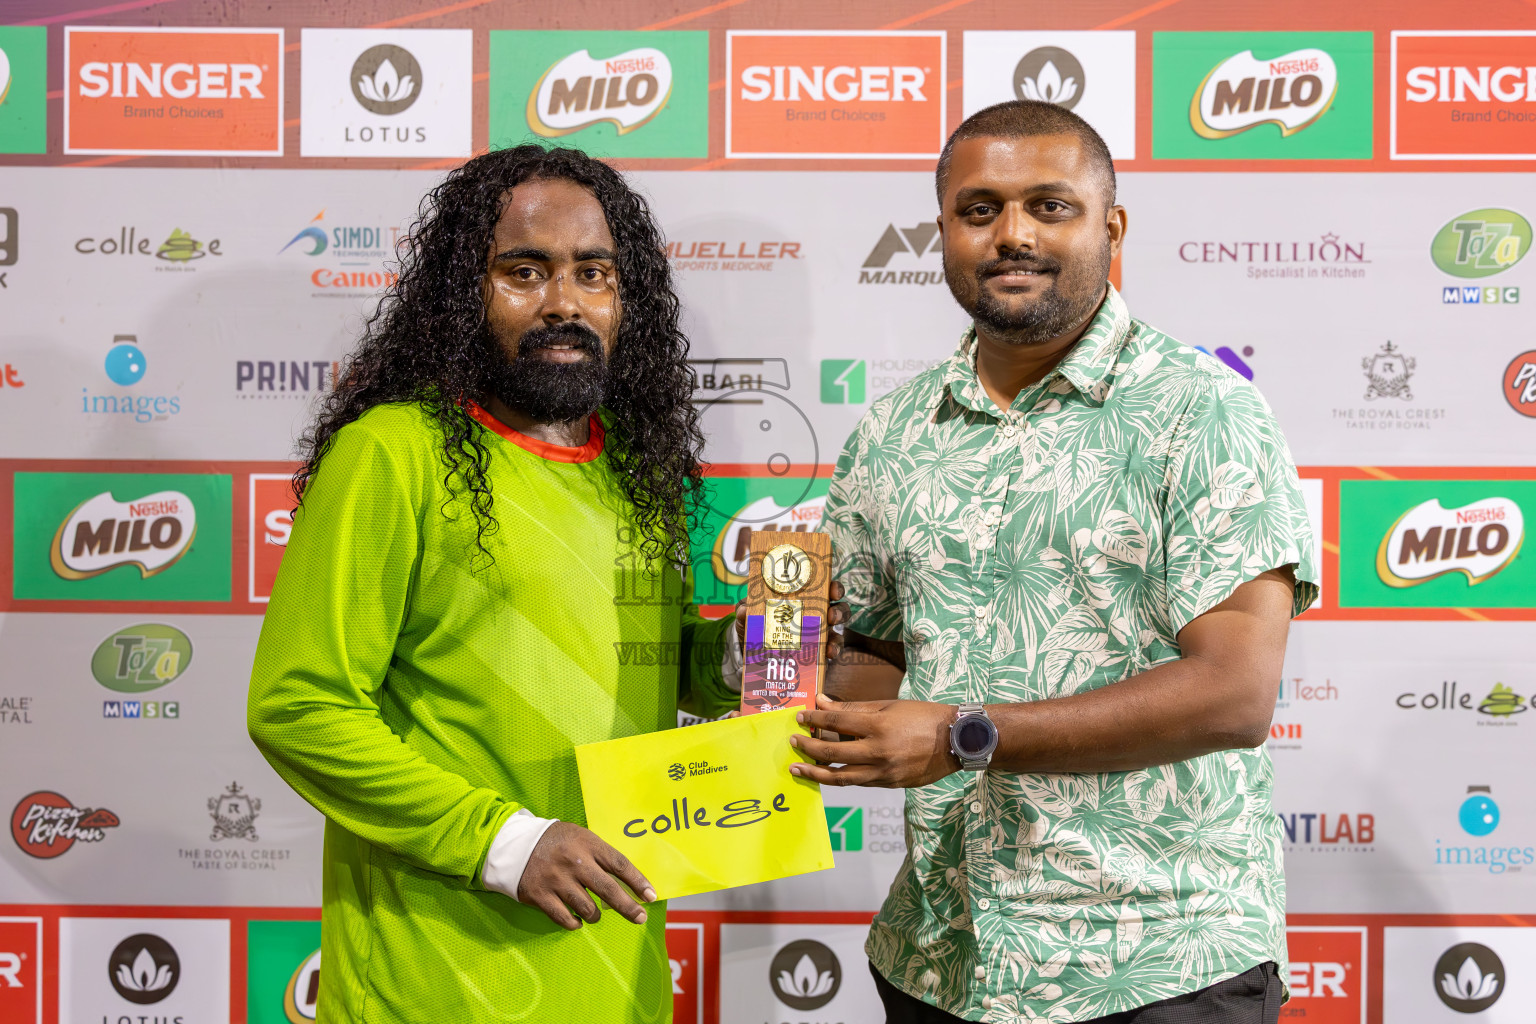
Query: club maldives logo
144, 968
641, 94
1262, 94
848, 95
1469, 977
45, 824
23, 89
1050, 74
101, 533
1428, 541
1520, 383
138, 659
173, 91
1463, 95
805, 975
1481, 243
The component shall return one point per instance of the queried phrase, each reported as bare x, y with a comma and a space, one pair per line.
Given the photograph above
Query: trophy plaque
789, 578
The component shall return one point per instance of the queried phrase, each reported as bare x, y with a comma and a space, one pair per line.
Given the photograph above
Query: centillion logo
1429, 541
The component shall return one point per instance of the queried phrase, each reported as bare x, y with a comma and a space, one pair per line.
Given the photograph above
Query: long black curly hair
429, 342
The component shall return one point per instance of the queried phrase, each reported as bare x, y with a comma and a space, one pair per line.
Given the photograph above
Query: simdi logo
173, 91
1463, 95
836, 95
21, 970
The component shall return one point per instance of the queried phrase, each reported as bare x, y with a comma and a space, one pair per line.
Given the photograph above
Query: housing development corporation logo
1226, 95
1477, 540
144, 968
23, 89
46, 825
842, 381
848, 95
1469, 977
173, 91
1092, 74
1463, 95
386, 92
1519, 383
624, 94
805, 975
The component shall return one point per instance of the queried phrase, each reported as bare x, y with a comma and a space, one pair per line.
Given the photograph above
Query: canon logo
842, 84
178, 81
1446, 84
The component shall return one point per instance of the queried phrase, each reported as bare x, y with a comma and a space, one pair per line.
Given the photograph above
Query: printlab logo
144, 968
805, 975
386, 79
45, 824
846, 827
234, 814
283, 378
1519, 383
1050, 75
1328, 832
842, 381
125, 366
1469, 977
918, 241
1428, 541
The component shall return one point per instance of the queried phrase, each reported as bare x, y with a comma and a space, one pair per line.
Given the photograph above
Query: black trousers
1250, 998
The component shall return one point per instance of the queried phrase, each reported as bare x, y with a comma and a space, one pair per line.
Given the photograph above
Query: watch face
974, 736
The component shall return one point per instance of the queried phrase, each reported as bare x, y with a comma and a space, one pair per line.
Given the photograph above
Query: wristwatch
972, 737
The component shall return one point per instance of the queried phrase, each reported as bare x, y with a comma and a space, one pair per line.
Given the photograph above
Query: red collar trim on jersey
543, 449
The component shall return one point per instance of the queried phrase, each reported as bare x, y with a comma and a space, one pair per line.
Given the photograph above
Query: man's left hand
896, 743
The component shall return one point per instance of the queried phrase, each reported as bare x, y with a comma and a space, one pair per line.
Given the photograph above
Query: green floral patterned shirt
1046, 550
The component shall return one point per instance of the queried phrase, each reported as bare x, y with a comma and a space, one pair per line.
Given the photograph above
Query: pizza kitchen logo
1290, 91
1428, 541
46, 824
579, 91
102, 533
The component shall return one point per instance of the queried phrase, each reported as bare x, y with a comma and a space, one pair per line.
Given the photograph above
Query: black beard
1051, 315
548, 391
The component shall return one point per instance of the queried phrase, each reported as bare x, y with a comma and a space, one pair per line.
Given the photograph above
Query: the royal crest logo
234, 814
579, 91
102, 533
1429, 541
45, 824
1290, 91
1388, 372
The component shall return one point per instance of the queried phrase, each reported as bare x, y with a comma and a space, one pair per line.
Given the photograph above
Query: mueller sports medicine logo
45, 824
835, 94
173, 91
1429, 541
1463, 95
579, 91
1290, 91
102, 533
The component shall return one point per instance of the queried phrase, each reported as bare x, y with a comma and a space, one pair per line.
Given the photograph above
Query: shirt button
981, 973
975, 806
1010, 430
981, 612
984, 903
986, 1002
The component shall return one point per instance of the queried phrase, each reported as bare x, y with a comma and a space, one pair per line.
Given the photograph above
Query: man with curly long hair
493, 508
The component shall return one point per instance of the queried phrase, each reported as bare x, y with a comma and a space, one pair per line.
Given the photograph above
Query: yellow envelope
707, 806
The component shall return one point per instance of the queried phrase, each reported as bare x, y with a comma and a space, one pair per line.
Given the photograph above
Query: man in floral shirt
1073, 551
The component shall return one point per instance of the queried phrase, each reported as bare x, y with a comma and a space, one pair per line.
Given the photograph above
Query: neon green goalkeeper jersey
418, 693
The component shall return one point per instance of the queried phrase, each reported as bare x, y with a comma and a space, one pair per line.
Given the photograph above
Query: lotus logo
386, 79
676, 772
1469, 977
102, 533
1243, 92
1429, 540
1481, 243
1049, 74
144, 969
579, 91
805, 975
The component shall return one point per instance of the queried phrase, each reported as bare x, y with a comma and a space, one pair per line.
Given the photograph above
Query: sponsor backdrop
195, 215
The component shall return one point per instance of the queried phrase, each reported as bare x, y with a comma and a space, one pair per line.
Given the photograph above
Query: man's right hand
570, 860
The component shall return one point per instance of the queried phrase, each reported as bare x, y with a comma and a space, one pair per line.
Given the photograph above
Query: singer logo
578, 91
1242, 92
685, 954
272, 504
1463, 95
103, 533
848, 95
171, 91
1327, 974
21, 970
1429, 541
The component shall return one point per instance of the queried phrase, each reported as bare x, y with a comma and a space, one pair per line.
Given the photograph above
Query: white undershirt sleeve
511, 849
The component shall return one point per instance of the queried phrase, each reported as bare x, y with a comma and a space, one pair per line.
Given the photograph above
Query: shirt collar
1085, 367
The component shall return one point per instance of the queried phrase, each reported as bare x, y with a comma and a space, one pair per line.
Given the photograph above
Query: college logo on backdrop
177, 251
618, 94
23, 89
1435, 544
1327, 974
21, 970
173, 91
1477, 244
282, 971
836, 95
122, 536
1519, 383
1092, 74
1261, 95
1463, 95
386, 92
45, 824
